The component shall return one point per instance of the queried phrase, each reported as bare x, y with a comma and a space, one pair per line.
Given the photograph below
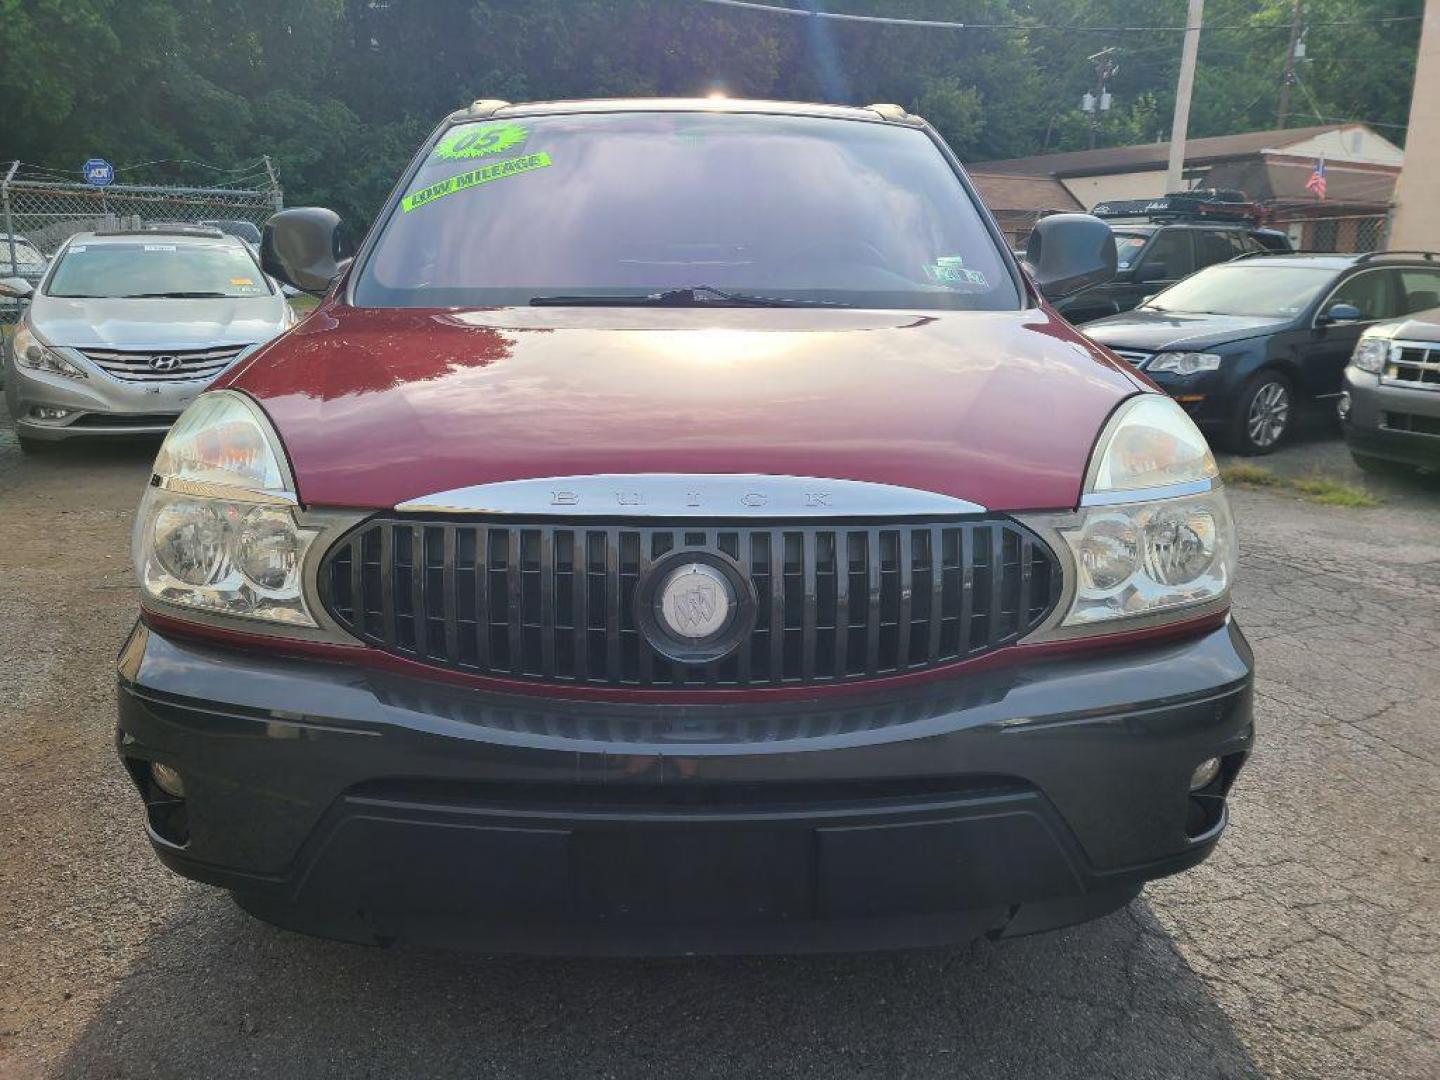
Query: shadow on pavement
218, 994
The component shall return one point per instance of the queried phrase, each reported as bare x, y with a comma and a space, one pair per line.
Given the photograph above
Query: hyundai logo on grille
164, 362
695, 601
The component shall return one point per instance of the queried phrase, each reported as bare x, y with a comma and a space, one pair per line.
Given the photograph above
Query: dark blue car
1246, 345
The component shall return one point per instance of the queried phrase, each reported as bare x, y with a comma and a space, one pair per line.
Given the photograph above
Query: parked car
1160, 241
127, 327
29, 266
1390, 408
239, 227
1244, 345
647, 548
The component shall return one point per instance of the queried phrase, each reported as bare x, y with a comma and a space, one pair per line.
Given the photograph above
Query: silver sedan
128, 326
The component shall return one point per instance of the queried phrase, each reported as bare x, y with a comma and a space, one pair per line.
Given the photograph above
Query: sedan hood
1155, 331
157, 323
377, 407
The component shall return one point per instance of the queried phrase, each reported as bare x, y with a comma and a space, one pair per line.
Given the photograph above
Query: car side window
1213, 247
1419, 290
1372, 292
1170, 248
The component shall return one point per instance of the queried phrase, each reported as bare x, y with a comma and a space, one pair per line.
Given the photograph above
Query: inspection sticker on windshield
495, 171
943, 274
159, 247
473, 142
240, 281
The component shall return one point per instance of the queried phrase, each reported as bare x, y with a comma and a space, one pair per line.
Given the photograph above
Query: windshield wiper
175, 296
696, 296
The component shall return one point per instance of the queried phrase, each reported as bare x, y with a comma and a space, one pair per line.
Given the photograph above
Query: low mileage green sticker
496, 170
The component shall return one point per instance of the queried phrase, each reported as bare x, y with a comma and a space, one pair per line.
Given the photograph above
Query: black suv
1241, 345
1160, 241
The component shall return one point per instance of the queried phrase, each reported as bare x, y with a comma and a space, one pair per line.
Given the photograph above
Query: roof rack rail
1202, 204
1371, 256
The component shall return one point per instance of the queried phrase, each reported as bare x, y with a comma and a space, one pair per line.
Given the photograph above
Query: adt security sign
99, 172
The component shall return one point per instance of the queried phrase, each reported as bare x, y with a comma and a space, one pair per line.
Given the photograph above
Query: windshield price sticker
495, 171
944, 274
473, 142
159, 247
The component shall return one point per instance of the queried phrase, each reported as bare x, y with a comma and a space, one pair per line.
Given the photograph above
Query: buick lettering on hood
683, 526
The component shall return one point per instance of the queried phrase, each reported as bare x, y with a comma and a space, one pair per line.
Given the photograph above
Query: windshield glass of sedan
629, 204
1246, 289
156, 268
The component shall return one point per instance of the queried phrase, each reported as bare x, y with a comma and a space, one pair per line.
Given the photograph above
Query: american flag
1316, 183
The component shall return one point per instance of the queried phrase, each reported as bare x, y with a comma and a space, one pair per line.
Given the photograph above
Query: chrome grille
173, 366
1416, 364
554, 603
1133, 356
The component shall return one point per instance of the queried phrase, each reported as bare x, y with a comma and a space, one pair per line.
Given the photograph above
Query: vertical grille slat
554, 602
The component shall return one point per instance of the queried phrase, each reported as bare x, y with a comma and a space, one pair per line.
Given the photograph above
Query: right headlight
33, 352
1371, 353
1153, 539
217, 532
1184, 363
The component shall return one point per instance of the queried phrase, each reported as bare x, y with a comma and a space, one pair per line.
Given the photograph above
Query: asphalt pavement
1308, 946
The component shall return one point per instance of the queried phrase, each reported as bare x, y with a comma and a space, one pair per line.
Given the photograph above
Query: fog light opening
45, 412
1205, 773
167, 779
1342, 407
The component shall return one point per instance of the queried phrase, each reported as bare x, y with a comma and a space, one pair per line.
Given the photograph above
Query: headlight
1153, 538
1183, 363
1371, 353
217, 531
32, 352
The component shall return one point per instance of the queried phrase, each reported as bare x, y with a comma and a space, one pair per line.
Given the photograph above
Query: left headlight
33, 352
1184, 363
1371, 353
217, 530
1153, 539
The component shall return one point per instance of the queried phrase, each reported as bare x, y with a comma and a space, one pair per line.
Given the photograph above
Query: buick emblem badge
695, 601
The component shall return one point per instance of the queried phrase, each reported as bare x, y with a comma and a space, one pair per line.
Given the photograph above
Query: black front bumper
349, 803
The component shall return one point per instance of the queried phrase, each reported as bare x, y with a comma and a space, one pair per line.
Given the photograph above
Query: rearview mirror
304, 247
16, 287
1341, 313
1070, 252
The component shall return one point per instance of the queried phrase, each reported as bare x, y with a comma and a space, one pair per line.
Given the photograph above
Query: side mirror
16, 287
1070, 252
304, 248
1340, 313
1153, 271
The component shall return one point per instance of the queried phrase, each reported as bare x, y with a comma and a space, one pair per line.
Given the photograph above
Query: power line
940, 24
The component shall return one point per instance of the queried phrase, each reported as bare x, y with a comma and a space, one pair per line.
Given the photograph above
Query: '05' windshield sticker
473, 142
495, 171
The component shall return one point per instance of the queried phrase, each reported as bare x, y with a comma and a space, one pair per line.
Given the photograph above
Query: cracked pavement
1306, 947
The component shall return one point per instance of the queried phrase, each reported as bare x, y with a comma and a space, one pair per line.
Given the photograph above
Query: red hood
380, 406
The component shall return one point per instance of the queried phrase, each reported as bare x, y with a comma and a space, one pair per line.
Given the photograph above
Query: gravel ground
1306, 947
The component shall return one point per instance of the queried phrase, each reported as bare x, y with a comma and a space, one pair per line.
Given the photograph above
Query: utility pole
1180, 125
1106, 68
1416, 221
1288, 79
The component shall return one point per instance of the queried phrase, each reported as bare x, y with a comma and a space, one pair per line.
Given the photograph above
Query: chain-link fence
38, 214
1343, 233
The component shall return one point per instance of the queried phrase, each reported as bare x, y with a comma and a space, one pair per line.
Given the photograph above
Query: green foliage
339, 92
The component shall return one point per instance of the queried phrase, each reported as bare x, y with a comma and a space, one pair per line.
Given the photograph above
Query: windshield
1127, 247
157, 268
630, 204
1246, 289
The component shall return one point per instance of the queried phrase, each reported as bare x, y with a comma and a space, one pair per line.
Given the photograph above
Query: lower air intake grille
555, 603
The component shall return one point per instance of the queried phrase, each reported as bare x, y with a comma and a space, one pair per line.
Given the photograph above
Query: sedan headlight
1183, 363
216, 531
1371, 353
33, 352
1153, 538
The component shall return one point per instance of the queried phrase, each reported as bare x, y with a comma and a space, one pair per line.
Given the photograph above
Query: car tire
1265, 415
1378, 466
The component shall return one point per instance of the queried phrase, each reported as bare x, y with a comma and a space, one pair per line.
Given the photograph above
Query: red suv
683, 527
